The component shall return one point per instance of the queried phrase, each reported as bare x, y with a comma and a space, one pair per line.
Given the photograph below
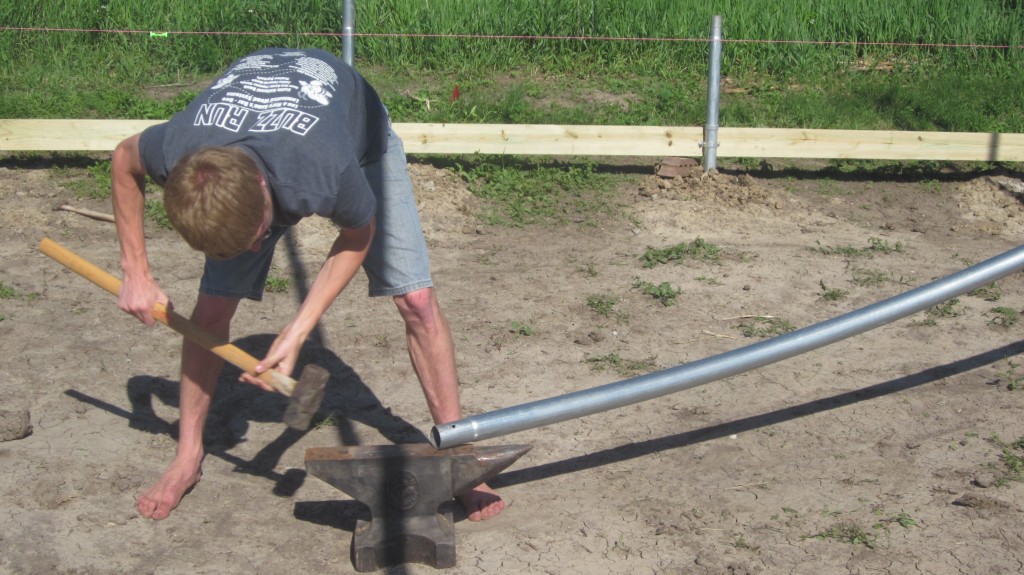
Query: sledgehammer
305, 394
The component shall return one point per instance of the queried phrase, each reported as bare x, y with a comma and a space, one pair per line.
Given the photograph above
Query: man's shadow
347, 400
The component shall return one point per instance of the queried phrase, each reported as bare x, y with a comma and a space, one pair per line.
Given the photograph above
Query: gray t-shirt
307, 119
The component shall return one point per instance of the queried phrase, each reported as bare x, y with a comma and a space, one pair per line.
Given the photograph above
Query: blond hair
214, 199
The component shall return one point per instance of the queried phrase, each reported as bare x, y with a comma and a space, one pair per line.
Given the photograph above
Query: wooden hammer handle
231, 353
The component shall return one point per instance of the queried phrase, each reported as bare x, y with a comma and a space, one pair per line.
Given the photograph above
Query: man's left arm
347, 254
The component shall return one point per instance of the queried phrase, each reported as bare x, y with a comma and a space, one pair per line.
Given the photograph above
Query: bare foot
481, 503
158, 501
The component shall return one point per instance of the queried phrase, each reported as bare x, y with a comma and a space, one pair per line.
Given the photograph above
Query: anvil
409, 490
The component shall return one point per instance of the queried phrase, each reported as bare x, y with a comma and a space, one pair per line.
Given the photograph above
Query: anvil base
394, 540
409, 490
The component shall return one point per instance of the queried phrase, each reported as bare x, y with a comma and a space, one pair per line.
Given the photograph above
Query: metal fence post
348, 30
710, 143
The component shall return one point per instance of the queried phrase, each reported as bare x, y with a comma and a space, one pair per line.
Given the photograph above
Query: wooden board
67, 135
869, 145
541, 139
564, 140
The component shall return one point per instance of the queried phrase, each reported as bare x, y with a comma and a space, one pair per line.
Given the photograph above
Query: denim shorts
396, 264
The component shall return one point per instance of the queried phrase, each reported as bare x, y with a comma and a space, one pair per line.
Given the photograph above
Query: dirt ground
889, 452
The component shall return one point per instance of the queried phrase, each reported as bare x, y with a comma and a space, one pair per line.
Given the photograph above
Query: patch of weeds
902, 519
870, 278
848, 533
8, 292
848, 251
524, 193
831, 294
589, 269
967, 262
931, 186
1004, 316
663, 292
880, 246
1010, 376
946, 309
602, 304
765, 326
711, 281
325, 423
828, 187
155, 212
488, 258
741, 543
990, 292
277, 284
875, 246
622, 366
1012, 458
698, 249
790, 516
95, 185
522, 329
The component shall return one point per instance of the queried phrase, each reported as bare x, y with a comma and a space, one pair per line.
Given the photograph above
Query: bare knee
419, 307
214, 313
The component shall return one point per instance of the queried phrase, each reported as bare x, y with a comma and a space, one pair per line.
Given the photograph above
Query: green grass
1004, 316
990, 292
534, 192
664, 293
8, 292
831, 294
542, 63
876, 246
1011, 458
948, 309
622, 366
96, 183
698, 249
277, 284
1010, 376
848, 533
602, 304
155, 212
547, 62
765, 326
522, 329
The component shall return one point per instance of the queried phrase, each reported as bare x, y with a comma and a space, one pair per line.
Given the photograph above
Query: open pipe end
451, 434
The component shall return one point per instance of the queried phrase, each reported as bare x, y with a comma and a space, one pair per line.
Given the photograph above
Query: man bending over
282, 135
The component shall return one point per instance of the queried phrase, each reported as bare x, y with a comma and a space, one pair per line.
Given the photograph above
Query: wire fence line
399, 35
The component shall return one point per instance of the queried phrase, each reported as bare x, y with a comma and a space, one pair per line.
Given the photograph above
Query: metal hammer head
306, 397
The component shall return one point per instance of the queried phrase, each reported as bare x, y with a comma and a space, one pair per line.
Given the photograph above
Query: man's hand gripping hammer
305, 394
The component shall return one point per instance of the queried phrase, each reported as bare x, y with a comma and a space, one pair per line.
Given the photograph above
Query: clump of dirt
993, 204
444, 201
716, 199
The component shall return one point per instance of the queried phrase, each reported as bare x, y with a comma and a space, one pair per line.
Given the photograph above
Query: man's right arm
138, 291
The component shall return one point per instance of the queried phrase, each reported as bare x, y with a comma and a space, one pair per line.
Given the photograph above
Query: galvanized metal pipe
348, 31
637, 389
710, 144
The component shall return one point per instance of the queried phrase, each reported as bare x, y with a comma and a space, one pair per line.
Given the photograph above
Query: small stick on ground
753, 316
87, 213
719, 335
